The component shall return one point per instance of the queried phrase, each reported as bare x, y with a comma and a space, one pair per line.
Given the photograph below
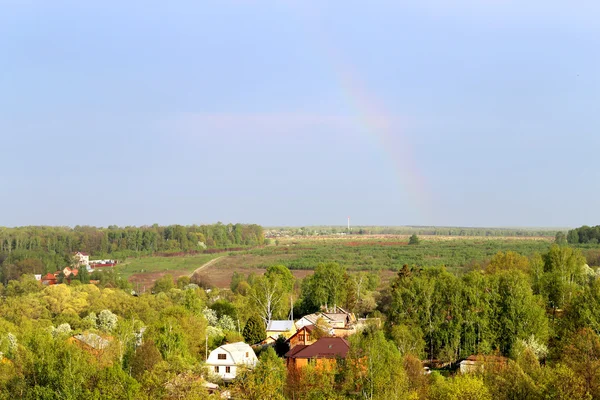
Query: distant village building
477, 363
339, 321
285, 328
102, 263
49, 279
224, 361
81, 258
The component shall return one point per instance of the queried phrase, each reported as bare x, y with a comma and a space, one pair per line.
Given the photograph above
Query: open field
143, 271
390, 252
383, 253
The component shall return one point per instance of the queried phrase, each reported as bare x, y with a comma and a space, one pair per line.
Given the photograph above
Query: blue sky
483, 113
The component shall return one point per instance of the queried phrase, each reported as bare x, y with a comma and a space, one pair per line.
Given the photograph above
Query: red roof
49, 276
75, 272
295, 350
329, 347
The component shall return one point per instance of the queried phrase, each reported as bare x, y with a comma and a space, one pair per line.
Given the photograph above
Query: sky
297, 113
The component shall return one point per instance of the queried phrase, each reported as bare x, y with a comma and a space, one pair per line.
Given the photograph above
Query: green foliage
460, 387
374, 367
266, 381
163, 284
456, 254
327, 286
414, 239
254, 331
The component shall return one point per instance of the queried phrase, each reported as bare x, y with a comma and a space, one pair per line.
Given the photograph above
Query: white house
224, 361
81, 259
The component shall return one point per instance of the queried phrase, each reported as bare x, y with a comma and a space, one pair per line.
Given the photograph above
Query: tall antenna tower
348, 224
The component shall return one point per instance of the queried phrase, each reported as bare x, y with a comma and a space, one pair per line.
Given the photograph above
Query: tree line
54, 246
584, 235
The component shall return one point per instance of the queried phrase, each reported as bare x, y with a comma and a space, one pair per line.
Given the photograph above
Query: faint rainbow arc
376, 123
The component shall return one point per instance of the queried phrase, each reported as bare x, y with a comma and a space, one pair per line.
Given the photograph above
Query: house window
227, 370
246, 354
222, 356
217, 370
308, 337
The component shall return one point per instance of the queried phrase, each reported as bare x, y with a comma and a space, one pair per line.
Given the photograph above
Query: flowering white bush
107, 321
227, 323
211, 316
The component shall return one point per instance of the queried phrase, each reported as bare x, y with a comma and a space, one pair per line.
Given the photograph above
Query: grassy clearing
390, 252
383, 253
164, 264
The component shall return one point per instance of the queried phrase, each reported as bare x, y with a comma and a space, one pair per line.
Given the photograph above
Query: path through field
208, 264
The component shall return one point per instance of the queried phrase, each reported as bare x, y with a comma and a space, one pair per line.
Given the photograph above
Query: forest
34, 249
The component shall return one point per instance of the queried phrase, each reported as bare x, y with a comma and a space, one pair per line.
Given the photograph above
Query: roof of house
82, 253
337, 317
307, 328
237, 350
280, 326
49, 277
329, 347
92, 340
294, 350
485, 359
314, 317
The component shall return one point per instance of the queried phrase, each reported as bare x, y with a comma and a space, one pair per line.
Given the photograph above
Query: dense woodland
53, 247
584, 235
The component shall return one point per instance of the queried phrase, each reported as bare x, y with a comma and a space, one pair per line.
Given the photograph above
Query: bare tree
266, 295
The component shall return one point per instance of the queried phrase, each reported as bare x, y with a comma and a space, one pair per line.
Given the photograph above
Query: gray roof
238, 351
94, 341
280, 326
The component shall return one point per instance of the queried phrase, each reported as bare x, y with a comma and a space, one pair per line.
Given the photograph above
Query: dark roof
295, 349
329, 347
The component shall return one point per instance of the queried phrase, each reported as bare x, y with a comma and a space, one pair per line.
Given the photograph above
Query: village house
303, 336
49, 279
81, 258
339, 321
322, 353
283, 328
102, 263
477, 363
225, 360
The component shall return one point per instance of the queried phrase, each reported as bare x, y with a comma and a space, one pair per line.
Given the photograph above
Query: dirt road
205, 265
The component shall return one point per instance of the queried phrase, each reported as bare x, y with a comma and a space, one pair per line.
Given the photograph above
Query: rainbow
391, 140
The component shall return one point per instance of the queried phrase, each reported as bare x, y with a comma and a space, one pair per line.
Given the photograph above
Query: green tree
563, 273
282, 274
459, 387
145, 358
374, 367
254, 331
266, 381
581, 353
414, 239
326, 287
83, 275
560, 238
163, 284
